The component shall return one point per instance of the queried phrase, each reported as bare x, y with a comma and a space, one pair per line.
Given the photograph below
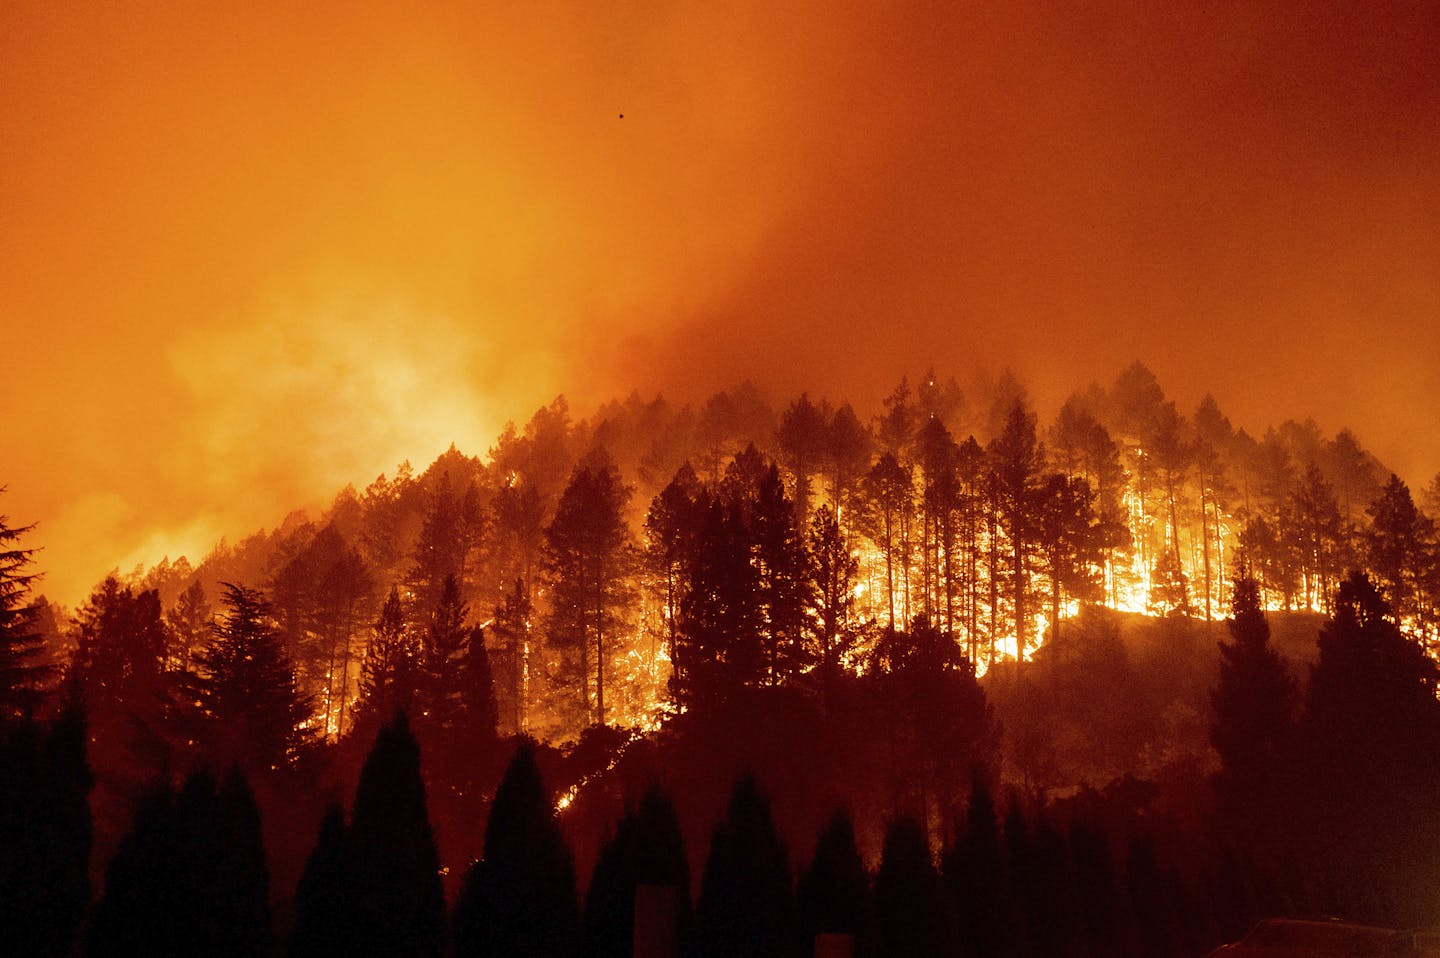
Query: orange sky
249, 252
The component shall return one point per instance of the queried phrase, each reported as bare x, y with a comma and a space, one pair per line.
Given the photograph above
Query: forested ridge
998, 642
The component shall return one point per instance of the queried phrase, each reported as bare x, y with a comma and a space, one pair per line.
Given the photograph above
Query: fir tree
746, 907
1254, 705
254, 713
441, 653
646, 849
784, 586
45, 834
390, 672
393, 868
324, 900
588, 558
974, 868
915, 915
833, 569
21, 674
519, 898
833, 894
189, 879
190, 622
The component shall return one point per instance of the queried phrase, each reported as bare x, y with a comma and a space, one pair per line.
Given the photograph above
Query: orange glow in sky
251, 252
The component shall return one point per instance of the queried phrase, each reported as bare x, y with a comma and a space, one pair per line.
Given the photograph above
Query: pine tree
915, 915
1368, 737
718, 650
646, 849
801, 439
847, 456
588, 558
21, 675
890, 490
832, 567
45, 834
391, 670
746, 907
440, 551
785, 594
512, 639
442, 648
833, 894
519, 898
468, 758
190, 622
1071, 546
1396, 547
393, 868
189, 879
324, 900
672, 527
1254, 705
974, 868
1016, 457
254, 713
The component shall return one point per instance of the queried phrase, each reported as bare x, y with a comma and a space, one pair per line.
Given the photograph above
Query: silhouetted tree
1071, 542
253, 712
588, 558
718, 648
801, 438
1396, 546
847, 456
1254, 707
832, 567
646, 849
1319, 535
833, 894
672, 526
118, 669
519, 898
782, 581
746, 907
392, 864
512, 648
21, 672
442, 649
190, 623
189, 879
517, 524
45, 834
1016, 457
469, 754
938, 721
915, 915
391, 670
974, 868
1369, 734
324, 900
442, 547
890, 491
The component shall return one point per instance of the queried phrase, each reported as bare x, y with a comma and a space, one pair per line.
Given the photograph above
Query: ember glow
450, 448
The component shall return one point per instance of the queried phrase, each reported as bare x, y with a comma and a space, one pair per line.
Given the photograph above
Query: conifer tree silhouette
518, 900
746, 907
833, 894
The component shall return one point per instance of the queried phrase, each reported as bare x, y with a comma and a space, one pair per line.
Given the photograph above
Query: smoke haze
252, 252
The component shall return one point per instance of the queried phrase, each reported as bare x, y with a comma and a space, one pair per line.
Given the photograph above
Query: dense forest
1116, 683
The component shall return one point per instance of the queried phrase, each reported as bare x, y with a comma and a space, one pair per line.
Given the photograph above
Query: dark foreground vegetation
1001, 657
1326, 801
